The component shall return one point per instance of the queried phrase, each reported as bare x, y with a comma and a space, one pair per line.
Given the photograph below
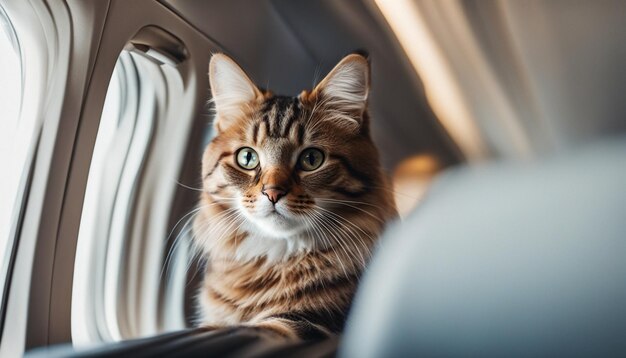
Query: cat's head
284, 167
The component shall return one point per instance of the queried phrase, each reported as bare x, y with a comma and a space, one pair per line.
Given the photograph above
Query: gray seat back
504, 260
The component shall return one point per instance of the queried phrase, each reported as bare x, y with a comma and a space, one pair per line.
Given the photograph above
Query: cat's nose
274, 193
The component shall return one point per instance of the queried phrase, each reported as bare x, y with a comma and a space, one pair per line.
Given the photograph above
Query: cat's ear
345, 89
231, 89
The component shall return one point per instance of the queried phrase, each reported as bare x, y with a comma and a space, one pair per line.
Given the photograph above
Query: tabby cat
293, 201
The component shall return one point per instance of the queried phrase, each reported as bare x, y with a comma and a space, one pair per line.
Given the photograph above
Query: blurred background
104, 116
453, 81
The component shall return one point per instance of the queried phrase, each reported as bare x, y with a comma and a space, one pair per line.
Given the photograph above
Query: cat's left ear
345, 90
231, 89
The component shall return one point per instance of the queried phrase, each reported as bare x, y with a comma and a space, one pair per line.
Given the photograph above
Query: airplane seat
525, 259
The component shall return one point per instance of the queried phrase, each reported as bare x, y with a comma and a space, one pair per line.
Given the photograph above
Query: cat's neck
256, 245
250, 245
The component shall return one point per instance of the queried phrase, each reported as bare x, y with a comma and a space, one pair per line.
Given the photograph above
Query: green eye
247, 158
311, 159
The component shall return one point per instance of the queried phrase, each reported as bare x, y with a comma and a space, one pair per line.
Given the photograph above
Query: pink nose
274, 193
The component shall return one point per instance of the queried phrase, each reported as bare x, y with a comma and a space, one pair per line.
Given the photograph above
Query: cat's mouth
276, 211
274, 219
274, 214
278, 215
276, 222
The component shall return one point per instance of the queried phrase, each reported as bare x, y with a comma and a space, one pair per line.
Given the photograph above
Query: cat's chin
277, 225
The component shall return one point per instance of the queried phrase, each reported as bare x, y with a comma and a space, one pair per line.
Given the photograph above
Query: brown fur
327, 223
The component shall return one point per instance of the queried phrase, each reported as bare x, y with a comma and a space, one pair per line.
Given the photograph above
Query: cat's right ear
232, 90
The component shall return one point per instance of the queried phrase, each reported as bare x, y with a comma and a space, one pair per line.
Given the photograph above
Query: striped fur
291, 265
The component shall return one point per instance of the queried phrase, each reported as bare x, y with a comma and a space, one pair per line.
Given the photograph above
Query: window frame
8, 252
42, 64
67, 102
120, 296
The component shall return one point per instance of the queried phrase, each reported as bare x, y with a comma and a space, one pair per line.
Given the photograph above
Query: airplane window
111, 123
119, 271
13, 147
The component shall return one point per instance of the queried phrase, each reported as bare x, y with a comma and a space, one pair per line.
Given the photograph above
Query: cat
293, 202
